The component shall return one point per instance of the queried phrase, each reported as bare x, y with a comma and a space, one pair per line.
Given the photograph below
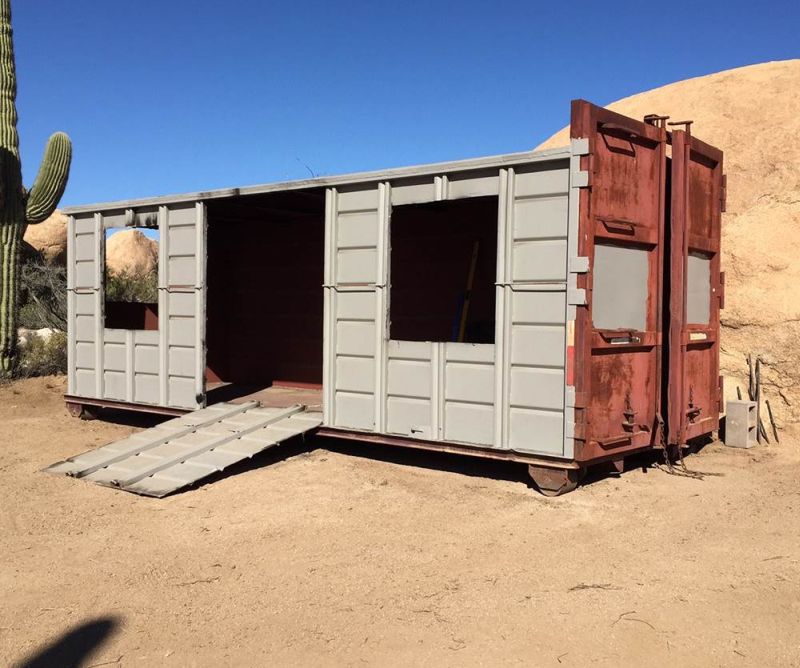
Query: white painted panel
84, 274
181, 331
357, 229
469, 352
542, 307
182, 270
540, 260
142, 337
413, 193
355, 305
84, 247
355, 338
146, 388
115, 356
84, 225
542, 345
115, 219
698, 289
181, 303
85, 385
358, 200
115, 335
84, 355
355, 374
419, 350
356, 411
182, 241
536, 431
357, 265
541, 217
545, 182
469, 382
409, 378
473, 186
146, 359
182, 392
409, 417
84, 303
84, 328
182, 214
181, 362
619, 287
114, 385
469, 423
537, 388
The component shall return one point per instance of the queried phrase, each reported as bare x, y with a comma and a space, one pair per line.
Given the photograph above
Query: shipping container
556, 308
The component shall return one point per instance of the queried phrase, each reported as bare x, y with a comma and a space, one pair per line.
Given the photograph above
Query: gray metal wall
511, 394
164, 367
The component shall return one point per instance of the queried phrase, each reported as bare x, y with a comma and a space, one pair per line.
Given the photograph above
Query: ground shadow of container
72, 648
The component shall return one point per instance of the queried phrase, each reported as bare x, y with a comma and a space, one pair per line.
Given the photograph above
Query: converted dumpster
557, 308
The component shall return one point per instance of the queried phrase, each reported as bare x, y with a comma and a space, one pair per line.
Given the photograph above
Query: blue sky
177, 95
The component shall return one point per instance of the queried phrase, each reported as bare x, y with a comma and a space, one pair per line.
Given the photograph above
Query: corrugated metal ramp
182, 451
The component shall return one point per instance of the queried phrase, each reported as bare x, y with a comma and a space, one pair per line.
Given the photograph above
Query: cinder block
740, 424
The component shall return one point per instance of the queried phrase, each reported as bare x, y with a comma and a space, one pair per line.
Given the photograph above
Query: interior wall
431, 251
265, 298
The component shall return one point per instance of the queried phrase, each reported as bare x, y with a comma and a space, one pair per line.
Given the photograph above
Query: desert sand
324, 557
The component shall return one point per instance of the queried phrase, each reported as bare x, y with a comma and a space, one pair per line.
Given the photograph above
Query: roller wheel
82, 411
553, 481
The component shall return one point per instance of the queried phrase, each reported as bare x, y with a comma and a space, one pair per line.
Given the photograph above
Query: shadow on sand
72, 648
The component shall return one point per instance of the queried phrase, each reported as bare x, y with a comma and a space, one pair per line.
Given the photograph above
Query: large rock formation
753, 114
131, 252
50, 238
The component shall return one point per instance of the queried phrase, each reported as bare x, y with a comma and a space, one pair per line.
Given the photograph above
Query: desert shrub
43, 295
42, 356
130, 288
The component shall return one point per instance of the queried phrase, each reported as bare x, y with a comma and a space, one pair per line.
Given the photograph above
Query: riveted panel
541, 217
469, 423
355, 338
540, 260
536, 431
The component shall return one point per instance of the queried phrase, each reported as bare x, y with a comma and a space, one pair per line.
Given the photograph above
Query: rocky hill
131, 252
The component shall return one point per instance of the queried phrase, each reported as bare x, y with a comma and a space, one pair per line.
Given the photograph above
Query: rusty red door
618, 335
696, 288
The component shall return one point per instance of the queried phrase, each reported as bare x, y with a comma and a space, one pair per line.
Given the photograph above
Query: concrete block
740, 424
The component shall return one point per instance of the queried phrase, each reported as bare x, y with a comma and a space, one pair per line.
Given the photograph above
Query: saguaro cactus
19, 207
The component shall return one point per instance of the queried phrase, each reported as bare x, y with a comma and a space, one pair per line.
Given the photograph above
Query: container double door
646, 346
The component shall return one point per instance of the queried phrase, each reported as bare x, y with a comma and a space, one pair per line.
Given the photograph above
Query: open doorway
265, 299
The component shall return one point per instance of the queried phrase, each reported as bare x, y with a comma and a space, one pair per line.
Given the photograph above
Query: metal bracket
578, 264
580, 179
580, 146
576, 297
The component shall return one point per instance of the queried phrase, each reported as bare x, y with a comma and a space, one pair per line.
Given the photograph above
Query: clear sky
165, 96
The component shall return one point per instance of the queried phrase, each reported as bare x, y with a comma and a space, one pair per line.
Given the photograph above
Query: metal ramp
177, 453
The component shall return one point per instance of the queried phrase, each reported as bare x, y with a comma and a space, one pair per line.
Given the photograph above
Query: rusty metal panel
617, 355
695, 397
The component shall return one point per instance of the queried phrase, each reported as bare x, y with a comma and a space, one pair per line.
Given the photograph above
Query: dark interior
432, 248
131, 315
265, 298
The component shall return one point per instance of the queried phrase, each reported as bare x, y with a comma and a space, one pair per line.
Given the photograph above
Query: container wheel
82, 411
554, 481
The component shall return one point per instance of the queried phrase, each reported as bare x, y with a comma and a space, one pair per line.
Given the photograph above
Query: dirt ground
325, 557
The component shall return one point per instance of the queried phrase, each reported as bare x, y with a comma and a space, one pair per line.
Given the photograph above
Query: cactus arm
51, 179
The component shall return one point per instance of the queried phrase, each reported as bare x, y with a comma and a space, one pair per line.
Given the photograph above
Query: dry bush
43, 356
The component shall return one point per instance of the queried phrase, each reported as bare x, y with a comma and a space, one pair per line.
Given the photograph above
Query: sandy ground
330, 558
